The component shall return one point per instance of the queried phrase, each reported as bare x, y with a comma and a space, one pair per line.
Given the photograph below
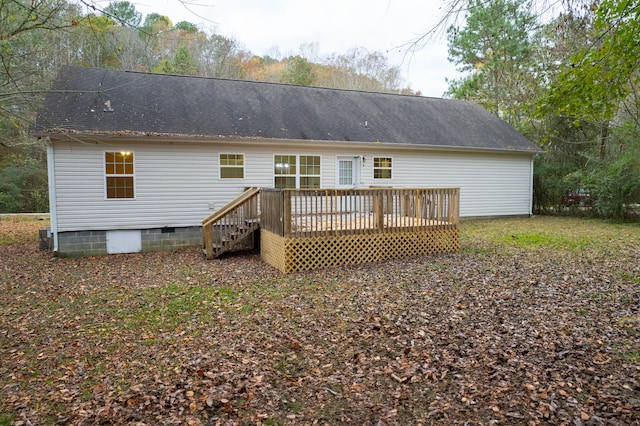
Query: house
137, 160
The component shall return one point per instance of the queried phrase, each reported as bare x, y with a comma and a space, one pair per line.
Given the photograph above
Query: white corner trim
51, 175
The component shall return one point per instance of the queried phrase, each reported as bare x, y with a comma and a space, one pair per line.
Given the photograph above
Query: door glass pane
345, 170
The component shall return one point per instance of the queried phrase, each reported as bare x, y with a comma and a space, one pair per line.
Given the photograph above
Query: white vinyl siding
490, 184
173, 185
177, 184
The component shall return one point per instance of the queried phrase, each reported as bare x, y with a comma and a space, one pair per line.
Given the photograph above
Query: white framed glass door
347, 176
346, 172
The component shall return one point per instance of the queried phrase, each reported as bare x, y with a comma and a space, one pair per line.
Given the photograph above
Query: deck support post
286, 212
207, 240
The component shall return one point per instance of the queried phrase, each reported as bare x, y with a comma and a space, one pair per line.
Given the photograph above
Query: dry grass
21, 228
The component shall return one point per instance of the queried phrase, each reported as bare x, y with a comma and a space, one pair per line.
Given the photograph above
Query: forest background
565, 73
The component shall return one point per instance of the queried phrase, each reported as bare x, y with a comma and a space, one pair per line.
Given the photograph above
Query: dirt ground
534, 321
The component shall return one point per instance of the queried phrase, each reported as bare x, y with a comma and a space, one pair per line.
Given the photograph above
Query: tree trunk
603, 141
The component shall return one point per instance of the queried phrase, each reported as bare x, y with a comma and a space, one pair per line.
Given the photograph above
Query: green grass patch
633, 356
537, 239
547, 232
173, 306
105, 313
294, 406
6, 420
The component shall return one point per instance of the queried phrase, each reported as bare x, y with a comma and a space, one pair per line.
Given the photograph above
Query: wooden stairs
230, 226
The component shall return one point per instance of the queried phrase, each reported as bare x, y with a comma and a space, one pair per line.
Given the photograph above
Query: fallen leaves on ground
496, 334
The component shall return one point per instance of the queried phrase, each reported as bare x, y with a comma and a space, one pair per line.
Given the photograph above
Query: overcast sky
262, 26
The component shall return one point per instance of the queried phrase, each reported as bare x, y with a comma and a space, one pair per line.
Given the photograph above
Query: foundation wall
94, 243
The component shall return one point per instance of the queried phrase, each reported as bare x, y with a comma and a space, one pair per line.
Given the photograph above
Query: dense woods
569, 81
563, 73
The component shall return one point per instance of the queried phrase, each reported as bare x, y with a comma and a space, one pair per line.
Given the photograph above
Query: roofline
147, 137
272, 83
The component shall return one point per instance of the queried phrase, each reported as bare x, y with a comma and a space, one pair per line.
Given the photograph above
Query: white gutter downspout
52, 193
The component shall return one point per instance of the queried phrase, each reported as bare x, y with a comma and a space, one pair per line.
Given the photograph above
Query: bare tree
26, 60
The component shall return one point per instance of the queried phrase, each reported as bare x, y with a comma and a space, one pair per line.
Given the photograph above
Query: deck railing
296, 213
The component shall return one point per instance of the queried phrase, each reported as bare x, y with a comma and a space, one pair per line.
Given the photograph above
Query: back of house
136, 160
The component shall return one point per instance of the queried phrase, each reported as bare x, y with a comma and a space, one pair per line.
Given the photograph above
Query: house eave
128, 136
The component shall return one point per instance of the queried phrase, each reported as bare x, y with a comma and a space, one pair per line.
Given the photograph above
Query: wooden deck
309, 229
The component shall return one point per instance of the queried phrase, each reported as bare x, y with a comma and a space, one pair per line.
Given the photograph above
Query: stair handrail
230, 206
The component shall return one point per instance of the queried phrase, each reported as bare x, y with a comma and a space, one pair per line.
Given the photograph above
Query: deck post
418, 209
456, 207
207, 240
286, 213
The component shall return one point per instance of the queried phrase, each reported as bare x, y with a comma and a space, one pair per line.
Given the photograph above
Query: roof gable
90, 100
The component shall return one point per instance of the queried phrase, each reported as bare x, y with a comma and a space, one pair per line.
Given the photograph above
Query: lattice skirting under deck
299, 254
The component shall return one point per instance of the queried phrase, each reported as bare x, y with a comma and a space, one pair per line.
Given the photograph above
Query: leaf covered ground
534, 321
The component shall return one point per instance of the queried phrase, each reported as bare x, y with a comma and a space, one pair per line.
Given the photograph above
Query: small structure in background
576, 197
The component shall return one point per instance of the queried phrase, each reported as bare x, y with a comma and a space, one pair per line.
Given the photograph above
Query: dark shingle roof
89, 100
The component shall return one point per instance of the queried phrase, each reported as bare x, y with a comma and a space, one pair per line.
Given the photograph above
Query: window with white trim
309, 171
119, 175
292, 171
231, 166
382, 167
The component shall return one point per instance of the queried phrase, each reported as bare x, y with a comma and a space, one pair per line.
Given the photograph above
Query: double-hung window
309, 171
285, 171
293, 171
382, 167
231, 166
119, 175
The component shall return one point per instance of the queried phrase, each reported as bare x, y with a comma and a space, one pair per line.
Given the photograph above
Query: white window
291, 171
382, 167
309, 171
119, 175
231, 166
